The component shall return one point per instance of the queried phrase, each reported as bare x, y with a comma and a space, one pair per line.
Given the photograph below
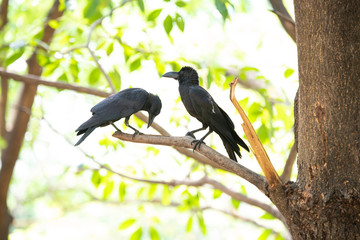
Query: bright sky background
254, 39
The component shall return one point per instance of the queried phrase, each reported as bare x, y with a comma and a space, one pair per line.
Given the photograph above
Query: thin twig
257, 148
32, 79
102, 70
285, 176
243, 198
188, 182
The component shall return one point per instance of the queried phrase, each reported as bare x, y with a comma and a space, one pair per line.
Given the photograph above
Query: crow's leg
191, 133
198, 142
128, 125
115, 126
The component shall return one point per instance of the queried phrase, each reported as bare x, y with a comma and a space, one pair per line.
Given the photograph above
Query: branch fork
256, 147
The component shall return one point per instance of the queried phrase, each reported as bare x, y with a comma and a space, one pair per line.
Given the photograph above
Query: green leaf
217, 193
3, 143
152, 190
63, 78
221, 7
254, 111
289, 72
62, 5
110, 49
74, 69
139, 192
180, 4
189, 224
137, 234
265, 235
243, 102
160, 66
243, 189
168, 24
235, 203
180, 22
154, 234
94, 76
154, 14
108, 189
122, 191
279, 237
267, 216
127, 223
50, 68
246, 69
54, 24
201, 222
141, 5
14, 57
116, 79
263, 133
96, 178
135, 64
91, 9
166, 197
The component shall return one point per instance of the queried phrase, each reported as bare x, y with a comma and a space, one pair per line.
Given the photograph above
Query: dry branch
257, 148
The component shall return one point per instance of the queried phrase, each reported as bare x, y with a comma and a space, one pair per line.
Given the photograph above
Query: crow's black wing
133, 96
207, 110
115, 107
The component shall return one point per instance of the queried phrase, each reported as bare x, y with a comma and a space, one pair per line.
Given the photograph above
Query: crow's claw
190, 134
137, 132
197, 144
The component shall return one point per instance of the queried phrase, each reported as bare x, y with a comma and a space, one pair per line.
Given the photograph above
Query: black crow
120, 105
199, 103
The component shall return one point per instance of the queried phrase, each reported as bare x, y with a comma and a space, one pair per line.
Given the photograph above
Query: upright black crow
120, 105
199, 103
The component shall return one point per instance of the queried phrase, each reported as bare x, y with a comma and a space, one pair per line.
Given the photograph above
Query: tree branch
3, 103
211, 154
33, 79
201, 182
16, 135
285, 176
243, 198
257, 148
4, 13
286, 21
230, 213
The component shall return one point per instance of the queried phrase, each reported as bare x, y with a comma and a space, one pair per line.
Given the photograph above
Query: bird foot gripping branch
200, 104
121, 105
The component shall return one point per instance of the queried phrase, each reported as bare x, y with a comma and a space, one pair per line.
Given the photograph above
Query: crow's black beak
151, 119
174, 75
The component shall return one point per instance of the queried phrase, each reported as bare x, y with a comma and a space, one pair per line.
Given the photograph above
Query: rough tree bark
16, 136
324, 203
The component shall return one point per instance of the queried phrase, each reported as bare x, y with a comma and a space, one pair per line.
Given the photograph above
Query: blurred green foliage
67, 59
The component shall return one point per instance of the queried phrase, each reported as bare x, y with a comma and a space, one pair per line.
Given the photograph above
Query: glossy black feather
120, 105
200, 104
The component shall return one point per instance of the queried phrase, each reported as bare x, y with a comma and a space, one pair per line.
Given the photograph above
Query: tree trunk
16, 136
324, 203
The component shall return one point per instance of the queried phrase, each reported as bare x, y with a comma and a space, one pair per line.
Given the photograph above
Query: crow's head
154, 108
185, 75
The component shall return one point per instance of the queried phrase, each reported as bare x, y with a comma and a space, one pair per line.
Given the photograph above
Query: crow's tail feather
230, 151
87, 133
